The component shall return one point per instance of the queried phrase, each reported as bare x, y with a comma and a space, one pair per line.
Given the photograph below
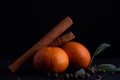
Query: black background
24, 23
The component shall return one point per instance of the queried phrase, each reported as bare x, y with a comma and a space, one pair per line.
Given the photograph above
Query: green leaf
113, 70
106, 66
80, 72
102, 47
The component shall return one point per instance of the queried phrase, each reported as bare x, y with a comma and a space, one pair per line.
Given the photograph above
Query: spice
48, 74
63, 39
71, 75
75, 76
55, 75
98, 77
66, 76
87, 75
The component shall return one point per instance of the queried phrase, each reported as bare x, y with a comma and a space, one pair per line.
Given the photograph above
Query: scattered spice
87, 75
48, 74
98, 77
55, 75
66, 76
82, 76
71, 75
75, 76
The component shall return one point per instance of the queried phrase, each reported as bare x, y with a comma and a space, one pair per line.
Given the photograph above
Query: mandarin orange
51, 59
78, 54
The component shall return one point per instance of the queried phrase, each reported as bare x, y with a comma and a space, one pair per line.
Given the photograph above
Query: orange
78, 54
51, 59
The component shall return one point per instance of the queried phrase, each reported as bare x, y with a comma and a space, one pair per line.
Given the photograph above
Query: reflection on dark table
27, 72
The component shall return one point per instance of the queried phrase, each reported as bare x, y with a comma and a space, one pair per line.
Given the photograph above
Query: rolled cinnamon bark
63, 39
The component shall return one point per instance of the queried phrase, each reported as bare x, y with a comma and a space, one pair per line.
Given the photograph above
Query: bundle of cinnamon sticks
50, 39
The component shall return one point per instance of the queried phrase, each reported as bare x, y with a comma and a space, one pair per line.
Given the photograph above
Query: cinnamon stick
45, 41
63, 39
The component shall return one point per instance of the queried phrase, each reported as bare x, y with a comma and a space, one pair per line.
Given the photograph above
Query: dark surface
27, 71
24, 23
